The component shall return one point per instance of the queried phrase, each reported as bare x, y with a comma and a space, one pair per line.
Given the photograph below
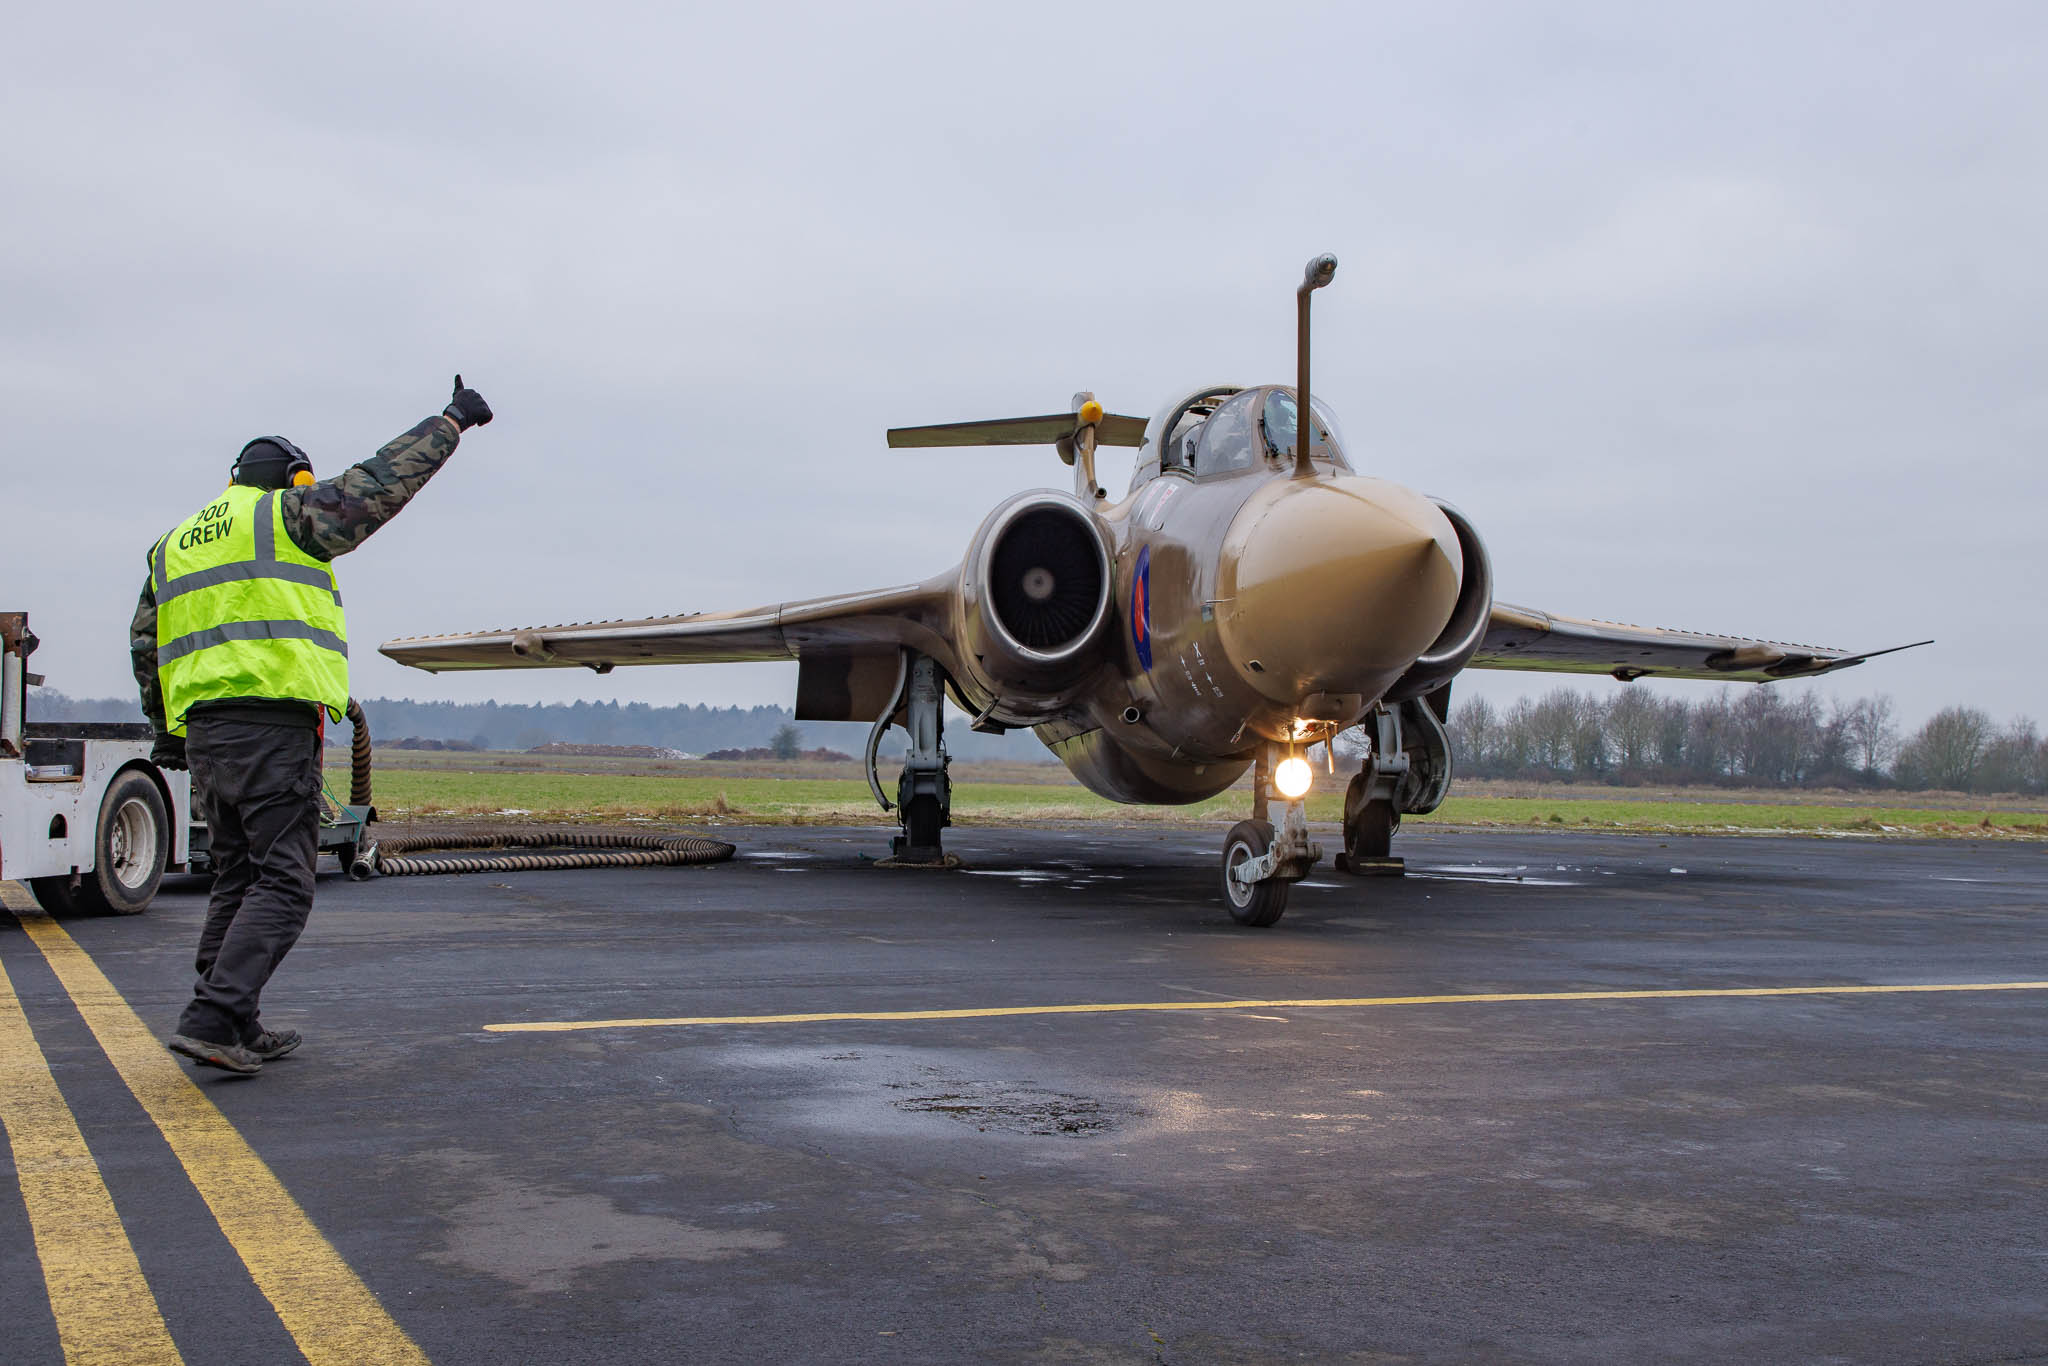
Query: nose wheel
1254, 903
1262, 864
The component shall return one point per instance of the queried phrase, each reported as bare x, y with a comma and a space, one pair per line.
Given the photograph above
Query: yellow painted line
102, 1305
326, 1308
1324, 1003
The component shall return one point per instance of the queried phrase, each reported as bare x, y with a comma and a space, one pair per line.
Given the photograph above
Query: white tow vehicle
86, 820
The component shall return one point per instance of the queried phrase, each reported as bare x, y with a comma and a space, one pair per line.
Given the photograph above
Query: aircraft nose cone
1334, 585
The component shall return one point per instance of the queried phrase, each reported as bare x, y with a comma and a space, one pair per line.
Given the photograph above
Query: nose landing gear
1261, 865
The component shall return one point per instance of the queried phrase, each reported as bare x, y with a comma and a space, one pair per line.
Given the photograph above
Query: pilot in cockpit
1244, 430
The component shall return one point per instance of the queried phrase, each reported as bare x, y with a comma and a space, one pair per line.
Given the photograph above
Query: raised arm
336, 515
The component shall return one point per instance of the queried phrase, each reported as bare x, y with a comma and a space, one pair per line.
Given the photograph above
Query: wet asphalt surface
1819, 1178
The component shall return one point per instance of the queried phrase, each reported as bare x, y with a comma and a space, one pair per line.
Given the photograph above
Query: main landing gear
1371, 812
924, 790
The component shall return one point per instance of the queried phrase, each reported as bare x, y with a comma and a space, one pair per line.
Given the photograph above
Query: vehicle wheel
1262, 903
130, 848
922, 822
55, 895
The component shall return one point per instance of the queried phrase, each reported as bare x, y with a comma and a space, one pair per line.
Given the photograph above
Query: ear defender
298, 468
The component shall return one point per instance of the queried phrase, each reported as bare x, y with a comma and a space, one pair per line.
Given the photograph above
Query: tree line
1753, 737
691, 728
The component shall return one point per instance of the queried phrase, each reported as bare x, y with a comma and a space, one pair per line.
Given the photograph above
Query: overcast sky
1731, 317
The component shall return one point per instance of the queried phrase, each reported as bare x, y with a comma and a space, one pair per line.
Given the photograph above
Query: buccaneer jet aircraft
1252, 595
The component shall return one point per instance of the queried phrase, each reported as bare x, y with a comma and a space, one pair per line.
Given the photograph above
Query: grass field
444, 785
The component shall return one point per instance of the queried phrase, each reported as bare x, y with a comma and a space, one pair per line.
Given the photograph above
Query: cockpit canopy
1224, 430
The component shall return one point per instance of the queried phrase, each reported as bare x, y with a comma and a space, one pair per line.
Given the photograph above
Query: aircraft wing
1524, 638
880, 620
1113, 430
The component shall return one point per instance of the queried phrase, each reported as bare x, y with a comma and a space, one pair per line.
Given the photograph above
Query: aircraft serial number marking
1328, 1003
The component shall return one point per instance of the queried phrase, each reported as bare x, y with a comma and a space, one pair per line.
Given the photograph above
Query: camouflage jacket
326, 519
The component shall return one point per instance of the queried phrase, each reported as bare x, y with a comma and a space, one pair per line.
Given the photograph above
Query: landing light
1293, 778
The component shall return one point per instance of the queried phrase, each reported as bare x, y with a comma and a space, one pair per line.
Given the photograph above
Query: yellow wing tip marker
1082, 443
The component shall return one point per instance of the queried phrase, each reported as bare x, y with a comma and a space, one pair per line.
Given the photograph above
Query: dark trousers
259, 789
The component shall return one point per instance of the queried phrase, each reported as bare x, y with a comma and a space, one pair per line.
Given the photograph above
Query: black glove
467, 409
169, 752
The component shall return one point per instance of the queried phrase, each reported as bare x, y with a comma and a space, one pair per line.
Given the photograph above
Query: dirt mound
609, 751
762, 753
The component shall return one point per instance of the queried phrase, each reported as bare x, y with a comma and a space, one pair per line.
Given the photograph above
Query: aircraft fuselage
1223, 590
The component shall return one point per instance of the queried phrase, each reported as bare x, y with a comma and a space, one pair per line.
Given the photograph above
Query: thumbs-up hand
467, 409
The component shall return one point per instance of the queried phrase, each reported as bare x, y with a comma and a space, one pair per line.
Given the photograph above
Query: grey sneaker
273, 1043
229, 1057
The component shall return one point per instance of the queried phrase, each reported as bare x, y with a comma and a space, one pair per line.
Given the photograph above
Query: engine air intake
1046, 579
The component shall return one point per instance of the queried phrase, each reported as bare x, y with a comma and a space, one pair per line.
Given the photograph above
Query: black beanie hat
267, 463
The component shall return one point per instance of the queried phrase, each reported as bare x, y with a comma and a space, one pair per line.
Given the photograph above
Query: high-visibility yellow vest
241, 611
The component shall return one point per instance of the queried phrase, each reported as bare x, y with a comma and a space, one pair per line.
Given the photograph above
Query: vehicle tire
1262, 903
131, 845
922, 821
55, 895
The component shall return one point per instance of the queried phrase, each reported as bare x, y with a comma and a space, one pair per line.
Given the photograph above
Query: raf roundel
1141, 608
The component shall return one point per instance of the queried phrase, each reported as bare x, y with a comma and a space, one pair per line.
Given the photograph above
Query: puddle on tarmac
1497, 875
541, 1239
859, 1091
1011, 1109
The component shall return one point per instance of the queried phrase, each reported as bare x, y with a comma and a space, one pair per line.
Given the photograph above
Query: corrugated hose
598, 851
359, 757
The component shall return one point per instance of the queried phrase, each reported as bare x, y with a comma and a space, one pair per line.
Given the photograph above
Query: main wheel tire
1262, 903
1370, 831
922, 821
131, 845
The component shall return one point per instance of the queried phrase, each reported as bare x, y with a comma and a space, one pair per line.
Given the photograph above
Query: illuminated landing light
1293, 778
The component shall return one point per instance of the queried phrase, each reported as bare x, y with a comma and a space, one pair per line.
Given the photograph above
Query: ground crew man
241, 654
